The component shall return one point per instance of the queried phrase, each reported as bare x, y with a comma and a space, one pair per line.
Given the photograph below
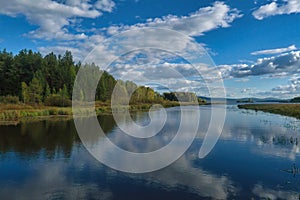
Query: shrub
9, 99
53, 112
57, 100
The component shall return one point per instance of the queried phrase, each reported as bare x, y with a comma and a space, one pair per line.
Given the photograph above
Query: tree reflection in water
50, 137
294, 170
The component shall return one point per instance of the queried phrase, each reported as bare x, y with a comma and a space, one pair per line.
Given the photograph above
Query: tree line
35, 79
296, 100
32, 78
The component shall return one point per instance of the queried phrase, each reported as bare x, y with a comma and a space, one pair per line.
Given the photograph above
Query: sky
254, 44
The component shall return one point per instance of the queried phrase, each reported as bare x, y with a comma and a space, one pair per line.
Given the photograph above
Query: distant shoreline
287, 109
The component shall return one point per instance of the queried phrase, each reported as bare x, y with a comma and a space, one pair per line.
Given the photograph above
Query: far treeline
31, 78
296, 100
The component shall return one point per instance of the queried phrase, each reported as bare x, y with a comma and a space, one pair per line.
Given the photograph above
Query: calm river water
257, 156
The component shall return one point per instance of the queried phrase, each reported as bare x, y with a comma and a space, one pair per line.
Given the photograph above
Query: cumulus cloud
52, 17
219, 15
152, 33
79, 48
284, 65
291, 89
276, 8
275, 51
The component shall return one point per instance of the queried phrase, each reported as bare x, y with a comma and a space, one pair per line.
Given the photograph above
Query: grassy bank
291, 110
16, 112
13, 113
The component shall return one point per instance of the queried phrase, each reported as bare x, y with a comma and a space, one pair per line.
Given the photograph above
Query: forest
31, 78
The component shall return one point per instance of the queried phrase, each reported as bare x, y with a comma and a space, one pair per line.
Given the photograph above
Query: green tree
47, 91
25, 92
35, 91
120, 95
9, 75
64, 92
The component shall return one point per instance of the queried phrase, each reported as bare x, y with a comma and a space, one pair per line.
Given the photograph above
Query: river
256, 156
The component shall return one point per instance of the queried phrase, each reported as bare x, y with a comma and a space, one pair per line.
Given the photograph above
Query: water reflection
85, 179
182, 174
294, 170
31, 139
274, 135
268, 193
46, 160
50, 137
51, 180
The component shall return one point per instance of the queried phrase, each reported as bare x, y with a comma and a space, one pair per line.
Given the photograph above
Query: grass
13, 113
291, 110
16, 112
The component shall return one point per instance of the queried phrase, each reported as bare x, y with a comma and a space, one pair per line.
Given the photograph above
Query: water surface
257, 157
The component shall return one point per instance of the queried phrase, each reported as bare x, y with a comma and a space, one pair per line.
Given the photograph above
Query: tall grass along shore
291, 110
13, 113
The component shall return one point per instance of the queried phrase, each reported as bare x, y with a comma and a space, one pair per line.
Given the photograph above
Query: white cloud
291, 89
242, 80
105, 5
152, 34
52, 17
219, 15
275, 51
284, 91
284, 65
275, 8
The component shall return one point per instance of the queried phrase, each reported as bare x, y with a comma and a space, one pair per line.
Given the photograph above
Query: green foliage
57, 100
50, 71
144, 94
170, 96
8, 74
25, 95
295, 100
34, 91
181, 96
201, 101
130, 87
64, 92
9, 99
120, 95
50, 80
47, 91
292, 110
105, 86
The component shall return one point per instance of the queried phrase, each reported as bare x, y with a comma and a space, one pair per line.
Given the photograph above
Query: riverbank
14, 113
291, 110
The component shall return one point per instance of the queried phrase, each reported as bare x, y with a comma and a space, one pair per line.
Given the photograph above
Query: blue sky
254, 43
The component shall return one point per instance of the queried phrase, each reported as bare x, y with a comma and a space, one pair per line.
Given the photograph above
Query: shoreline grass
12, 114
290, 110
